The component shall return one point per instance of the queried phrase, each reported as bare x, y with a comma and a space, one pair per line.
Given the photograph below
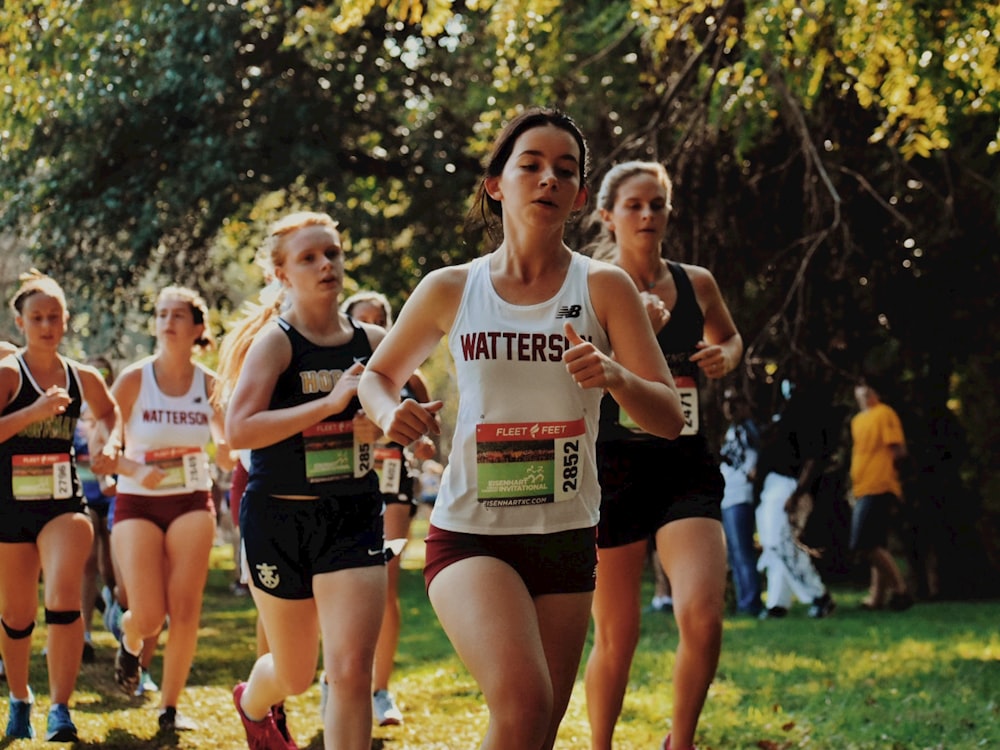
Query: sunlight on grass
925, 679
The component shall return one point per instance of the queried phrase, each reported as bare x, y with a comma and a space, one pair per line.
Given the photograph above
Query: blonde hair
35, 282
270, 255
604, 247
369, 298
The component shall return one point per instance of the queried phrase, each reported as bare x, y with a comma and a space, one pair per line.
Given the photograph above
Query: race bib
186, 469
332, 453
529, 463
42, 477
389, 466
687, 389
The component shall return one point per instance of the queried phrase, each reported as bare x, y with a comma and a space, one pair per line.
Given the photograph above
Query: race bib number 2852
529, 463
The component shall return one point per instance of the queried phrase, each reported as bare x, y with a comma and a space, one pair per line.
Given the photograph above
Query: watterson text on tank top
511, 345
168, 416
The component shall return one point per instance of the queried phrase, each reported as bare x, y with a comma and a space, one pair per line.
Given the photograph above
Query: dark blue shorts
23, 520
870, 522
287, 542
646, 484
561, 563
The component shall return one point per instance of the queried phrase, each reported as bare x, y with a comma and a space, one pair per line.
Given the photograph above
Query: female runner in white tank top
164, 522
511, 550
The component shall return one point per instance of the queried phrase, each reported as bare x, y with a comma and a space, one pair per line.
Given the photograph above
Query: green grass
925, 678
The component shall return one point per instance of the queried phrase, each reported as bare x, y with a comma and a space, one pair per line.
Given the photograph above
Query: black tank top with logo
317, 461
43, 448
678, 341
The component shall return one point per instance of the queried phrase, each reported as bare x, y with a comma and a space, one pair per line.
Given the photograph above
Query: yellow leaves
352, 15
820, 62
431, 15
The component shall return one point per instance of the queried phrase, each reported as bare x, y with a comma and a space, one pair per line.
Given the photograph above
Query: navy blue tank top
39, 461
319, 461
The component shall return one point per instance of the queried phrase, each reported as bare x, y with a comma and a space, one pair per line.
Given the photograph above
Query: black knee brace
16, 635
61, 617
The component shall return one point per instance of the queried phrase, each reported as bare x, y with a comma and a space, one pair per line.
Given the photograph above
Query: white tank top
171, 432
523, 455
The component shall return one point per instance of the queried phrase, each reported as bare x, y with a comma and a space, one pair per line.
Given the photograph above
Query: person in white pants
788, 567
792, 456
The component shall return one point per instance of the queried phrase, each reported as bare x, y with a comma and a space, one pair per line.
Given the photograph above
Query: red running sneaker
263, 734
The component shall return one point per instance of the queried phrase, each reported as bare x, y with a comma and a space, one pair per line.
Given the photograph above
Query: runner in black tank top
667, 490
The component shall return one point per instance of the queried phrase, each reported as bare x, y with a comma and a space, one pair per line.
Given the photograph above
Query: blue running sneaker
19, 723
60, 727
113, 620
146, 684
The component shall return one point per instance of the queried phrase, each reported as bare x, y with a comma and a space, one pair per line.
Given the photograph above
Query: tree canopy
835, 163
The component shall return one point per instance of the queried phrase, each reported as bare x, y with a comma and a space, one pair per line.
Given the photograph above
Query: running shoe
146, 684
171, 721
387, 713
127, 670
772, 613
60, 727
263, 734
822, 606
281, 721
19, 721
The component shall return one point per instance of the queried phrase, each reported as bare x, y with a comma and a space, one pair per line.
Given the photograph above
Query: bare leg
693, 552
89, 589
350, 605
486, 610
616, 633
63, 546
888, 572
188, 547
288, 667
397, 526
19, 569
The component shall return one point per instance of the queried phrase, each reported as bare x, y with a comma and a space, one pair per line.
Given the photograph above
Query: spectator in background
794, 453
738, 465
877, 448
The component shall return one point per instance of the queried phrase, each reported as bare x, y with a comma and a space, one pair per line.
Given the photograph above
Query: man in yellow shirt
878, 445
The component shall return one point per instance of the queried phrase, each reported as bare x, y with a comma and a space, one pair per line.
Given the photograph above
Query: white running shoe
387, 713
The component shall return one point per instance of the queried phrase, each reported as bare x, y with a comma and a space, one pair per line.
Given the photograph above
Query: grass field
925, 678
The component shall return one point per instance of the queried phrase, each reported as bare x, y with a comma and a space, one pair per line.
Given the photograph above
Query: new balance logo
569, 311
